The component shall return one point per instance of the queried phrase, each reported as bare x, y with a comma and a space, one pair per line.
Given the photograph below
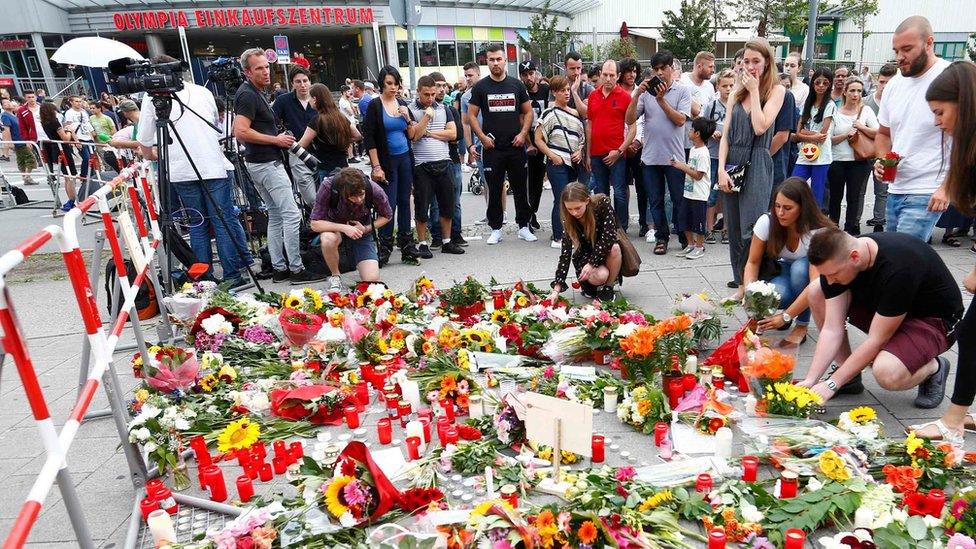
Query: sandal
956, 440
660, 248
951, 240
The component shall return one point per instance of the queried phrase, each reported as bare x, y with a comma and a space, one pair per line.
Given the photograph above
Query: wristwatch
832, 385
787, 317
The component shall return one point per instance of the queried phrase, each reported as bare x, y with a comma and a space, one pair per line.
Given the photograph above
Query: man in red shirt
606, 139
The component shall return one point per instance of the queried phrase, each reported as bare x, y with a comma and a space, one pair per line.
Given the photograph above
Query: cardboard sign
575, 422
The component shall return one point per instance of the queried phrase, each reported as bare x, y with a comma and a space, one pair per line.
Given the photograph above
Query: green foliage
771, 15
812, 510
546, 43
689, 31
859, 11
618, 48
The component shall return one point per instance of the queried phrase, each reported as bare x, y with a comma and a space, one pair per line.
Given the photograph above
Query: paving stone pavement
51, 322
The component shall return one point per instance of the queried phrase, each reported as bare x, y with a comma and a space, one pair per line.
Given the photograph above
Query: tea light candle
359, 434
750, 468
723, 442
161, 527
795, 538
457, 494
609, 399
716, 538
466, 498
625, 455
323, 436
614, 447
788, 485
344, 438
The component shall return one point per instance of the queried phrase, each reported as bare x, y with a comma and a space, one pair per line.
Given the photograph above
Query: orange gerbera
587, 533
462, 400
903, 479
448, 384
644, 407
769, 364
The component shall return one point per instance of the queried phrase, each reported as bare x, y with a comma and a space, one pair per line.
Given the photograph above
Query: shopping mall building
353, 38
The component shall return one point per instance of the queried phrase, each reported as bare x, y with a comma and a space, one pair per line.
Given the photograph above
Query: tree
689, 31
617, 48
772, 14
859, 11
720, 20
971, 46
545, 43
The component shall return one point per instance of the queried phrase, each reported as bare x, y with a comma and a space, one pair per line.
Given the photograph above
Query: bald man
917, 196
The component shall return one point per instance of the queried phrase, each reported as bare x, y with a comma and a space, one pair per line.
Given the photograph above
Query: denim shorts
363, 249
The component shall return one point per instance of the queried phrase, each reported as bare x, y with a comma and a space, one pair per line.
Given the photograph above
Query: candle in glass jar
280, 450
703, 483
405, 410
448, 407
450, 435
718, 381
934, 502
788, 485
676, 389
413, 448
794, 538
510, 494
415, 429
723, 442
245, 488
384, 429
498, 299
425, 424
148, 505
750, 468
265, 473
689, 381
279, 466
215, 481
705, 374
609, 399
352, 417
475, 407
716, 538
750, 405
598, 449
362, 394
297, 451
660, 433
161, 527
691, 364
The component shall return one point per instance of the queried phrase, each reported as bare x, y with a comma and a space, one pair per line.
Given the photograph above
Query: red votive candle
718, 381
362, 393
934, 502
392, 400
413, 448
598, 449
498, 299
448, 408
252, 470
689, 381
352, 417
148, 505
703, 483
426, 424
750, 468
716, 539
297, 451
384, 429
450, 435
279, 449
787, 485
243, 457
245, 488
794, 538
426, 413
264, 473
259, 451
405, 411
215, 481
743, 383
279, 465
676, 389
660, 432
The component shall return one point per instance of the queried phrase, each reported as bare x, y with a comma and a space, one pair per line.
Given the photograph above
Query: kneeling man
897, 290
343, 211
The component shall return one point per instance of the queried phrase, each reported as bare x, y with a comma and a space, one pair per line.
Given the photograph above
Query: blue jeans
790, 283
230, 244
817, 175
604, 177
909, 213
85, 158
656, 179
399, 183
713, 192
559, 177
435, 226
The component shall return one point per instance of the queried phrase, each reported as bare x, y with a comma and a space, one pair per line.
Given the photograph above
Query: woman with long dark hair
749, 118
852, 121
385, 126
589, 241
952, 98
54, 130
813, 134
778, 254
330, 132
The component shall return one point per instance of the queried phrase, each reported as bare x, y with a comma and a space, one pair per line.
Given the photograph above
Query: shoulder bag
630, 260
739, 172
863, 146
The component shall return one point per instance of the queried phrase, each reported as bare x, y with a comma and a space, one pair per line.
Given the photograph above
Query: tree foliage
689, 31
546, 43
859, 11
771, 15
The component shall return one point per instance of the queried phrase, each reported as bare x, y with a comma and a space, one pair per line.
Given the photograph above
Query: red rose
245, 543
621, 491
575, 285
715, 424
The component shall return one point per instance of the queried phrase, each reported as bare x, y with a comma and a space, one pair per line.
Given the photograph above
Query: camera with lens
303, 154
226, 71
129, 75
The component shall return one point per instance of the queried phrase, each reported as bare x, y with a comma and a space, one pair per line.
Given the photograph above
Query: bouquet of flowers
642, 408
649, 349
500, 524
306, 300
569, 529
509, 427
786, 399
764, 367
567, 345
961, 519
172, 370
321, 404
761, 299
862, 422
356, 491
253, 529
705, 314
465, 299
299, 327
890, 163
160, 427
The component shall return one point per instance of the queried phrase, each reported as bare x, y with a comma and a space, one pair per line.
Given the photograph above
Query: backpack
146, 305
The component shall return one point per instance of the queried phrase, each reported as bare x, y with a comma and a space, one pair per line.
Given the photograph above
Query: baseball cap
527, 66
127, 105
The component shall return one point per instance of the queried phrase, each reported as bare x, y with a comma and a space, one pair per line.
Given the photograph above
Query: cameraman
256, 128
191, 191
343, 214
295, 110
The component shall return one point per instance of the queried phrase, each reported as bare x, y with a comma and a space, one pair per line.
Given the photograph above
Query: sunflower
500, 316
314, 296
655, 501
476, 337
208, 382
522, 301
227, 373
291, 302
333, 492
587, 533
239, 434
862, 414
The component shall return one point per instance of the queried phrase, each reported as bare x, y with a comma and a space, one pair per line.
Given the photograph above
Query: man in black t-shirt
896, 289
539, 96
506, 111
255, 126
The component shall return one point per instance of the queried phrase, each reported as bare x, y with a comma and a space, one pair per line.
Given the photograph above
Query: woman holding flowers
590, 241
779, 243
952, 98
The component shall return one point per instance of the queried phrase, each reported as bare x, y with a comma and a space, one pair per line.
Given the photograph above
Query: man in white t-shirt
791, 65
917, 197
211, 194
77, 120
699, 82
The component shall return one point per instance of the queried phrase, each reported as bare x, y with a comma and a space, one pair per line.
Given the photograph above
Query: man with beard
917, 197
837, 90
539, 95
698, 80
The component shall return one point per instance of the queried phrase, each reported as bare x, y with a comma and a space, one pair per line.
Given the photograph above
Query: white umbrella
92, 51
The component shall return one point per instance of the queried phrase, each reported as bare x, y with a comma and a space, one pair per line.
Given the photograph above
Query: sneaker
879, 228
67, 206
28, 180
711, 238
650, 238
482, 221
725, 237
932, 390
423, 251
304, 277
235, 283
410, 249
408, 258
436, 243
335, 284
557, 244
684, 252
605, 293
495, 237
642, 232
459, 240
525, 233
452, 248
696, 253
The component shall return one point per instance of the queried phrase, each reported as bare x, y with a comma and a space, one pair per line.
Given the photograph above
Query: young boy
716, 111
698, 184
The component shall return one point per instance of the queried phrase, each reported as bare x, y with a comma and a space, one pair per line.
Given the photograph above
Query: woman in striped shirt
560, 136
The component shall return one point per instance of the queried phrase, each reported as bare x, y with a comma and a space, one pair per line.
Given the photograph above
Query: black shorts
433, 179
691, 215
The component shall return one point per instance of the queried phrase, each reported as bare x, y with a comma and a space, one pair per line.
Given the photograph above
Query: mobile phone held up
653, 84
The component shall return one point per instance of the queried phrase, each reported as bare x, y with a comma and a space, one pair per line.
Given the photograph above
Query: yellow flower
522, 301
862, 414
913, 443
314, 296
332, 492
833, 467
154, 349
655, 501
239, 434
477, 337
227, 373
464, 361
500, 316
208, 382
142, 395
292, 302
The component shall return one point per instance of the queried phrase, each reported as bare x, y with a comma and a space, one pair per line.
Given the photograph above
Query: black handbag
769, 268
739, 172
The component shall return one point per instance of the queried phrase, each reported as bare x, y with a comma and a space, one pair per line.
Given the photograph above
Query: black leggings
852, 175
52, 153
964, 391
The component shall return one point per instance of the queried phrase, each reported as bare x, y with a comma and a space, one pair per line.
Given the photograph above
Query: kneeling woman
590, 241
779, 242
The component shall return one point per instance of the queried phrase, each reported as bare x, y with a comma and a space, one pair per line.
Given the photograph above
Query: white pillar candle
411, 393
863, 518
691, 364
610, 399
475, 406
490, 481
161, 527
750, 405
723, 442
415, 429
